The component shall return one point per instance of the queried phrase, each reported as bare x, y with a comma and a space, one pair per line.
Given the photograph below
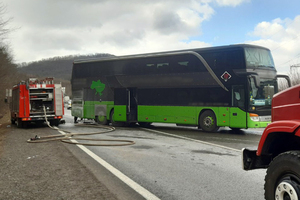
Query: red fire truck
279, 148
35, 100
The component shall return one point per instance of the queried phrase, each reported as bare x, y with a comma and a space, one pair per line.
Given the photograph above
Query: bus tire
282, 180
208, 121
101, 122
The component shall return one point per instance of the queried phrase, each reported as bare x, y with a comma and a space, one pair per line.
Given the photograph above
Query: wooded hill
60, 68
57, 67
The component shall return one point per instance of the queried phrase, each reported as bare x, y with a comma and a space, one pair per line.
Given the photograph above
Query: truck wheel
19, 123
54, 122
208, 122
283, 177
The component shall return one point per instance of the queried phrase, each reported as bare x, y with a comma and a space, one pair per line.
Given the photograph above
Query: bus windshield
263, 95
256, 57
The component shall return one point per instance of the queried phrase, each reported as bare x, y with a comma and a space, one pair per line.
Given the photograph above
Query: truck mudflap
251, 161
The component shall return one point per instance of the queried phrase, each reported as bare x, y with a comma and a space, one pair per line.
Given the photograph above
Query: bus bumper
258, 122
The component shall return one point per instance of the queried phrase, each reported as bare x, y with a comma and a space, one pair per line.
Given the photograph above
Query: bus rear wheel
101, 120
208, 121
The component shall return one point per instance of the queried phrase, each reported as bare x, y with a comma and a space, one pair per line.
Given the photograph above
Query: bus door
132, 105
125, 108
238, 116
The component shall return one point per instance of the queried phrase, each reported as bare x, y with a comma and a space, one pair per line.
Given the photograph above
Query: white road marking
135, 186
199, 141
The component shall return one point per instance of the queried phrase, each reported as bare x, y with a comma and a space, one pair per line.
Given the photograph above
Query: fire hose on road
71, 138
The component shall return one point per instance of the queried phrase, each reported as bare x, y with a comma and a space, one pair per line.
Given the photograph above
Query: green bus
227, 86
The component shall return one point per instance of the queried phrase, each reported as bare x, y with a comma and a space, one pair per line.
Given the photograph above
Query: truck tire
208, 121
282, 180
54, 122
19, 123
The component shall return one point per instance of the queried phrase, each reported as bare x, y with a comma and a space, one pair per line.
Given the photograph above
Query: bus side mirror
253, 75
256, 80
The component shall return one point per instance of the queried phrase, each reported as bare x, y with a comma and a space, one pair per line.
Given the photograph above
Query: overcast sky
49, 28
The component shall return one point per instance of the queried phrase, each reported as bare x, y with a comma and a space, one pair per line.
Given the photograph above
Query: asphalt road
166, 162
172, 162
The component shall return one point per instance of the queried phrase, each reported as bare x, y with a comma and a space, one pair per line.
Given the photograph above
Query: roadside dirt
44, 170
4, 122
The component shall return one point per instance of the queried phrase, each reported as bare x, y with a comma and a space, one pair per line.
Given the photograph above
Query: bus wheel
102, 120
283, 177
208, 122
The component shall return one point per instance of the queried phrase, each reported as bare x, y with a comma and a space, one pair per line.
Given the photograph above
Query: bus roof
184, 51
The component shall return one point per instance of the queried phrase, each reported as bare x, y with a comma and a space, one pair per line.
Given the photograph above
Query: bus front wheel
208, 121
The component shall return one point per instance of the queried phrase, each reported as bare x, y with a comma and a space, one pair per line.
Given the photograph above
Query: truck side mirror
286, 77
8, 95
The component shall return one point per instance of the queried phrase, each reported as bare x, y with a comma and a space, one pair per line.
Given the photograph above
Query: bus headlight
254, 117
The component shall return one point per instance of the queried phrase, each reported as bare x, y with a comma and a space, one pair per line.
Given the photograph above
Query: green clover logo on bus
98, 86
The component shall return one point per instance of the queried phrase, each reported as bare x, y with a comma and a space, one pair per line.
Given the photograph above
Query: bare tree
8, 70
3, 22
295, 74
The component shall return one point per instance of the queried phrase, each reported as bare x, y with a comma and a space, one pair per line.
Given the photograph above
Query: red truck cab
279, 148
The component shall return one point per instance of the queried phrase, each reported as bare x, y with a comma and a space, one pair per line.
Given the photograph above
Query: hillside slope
57, 67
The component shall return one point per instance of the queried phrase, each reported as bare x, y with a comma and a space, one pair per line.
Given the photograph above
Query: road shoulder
43, 170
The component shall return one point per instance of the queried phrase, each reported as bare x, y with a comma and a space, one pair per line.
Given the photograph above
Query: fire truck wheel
54, 122
19, 123
208, 121
283, 177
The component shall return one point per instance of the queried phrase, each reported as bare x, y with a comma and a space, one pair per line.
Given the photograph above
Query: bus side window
238, 96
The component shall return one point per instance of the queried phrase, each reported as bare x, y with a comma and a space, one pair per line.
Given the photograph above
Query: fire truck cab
279, 148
